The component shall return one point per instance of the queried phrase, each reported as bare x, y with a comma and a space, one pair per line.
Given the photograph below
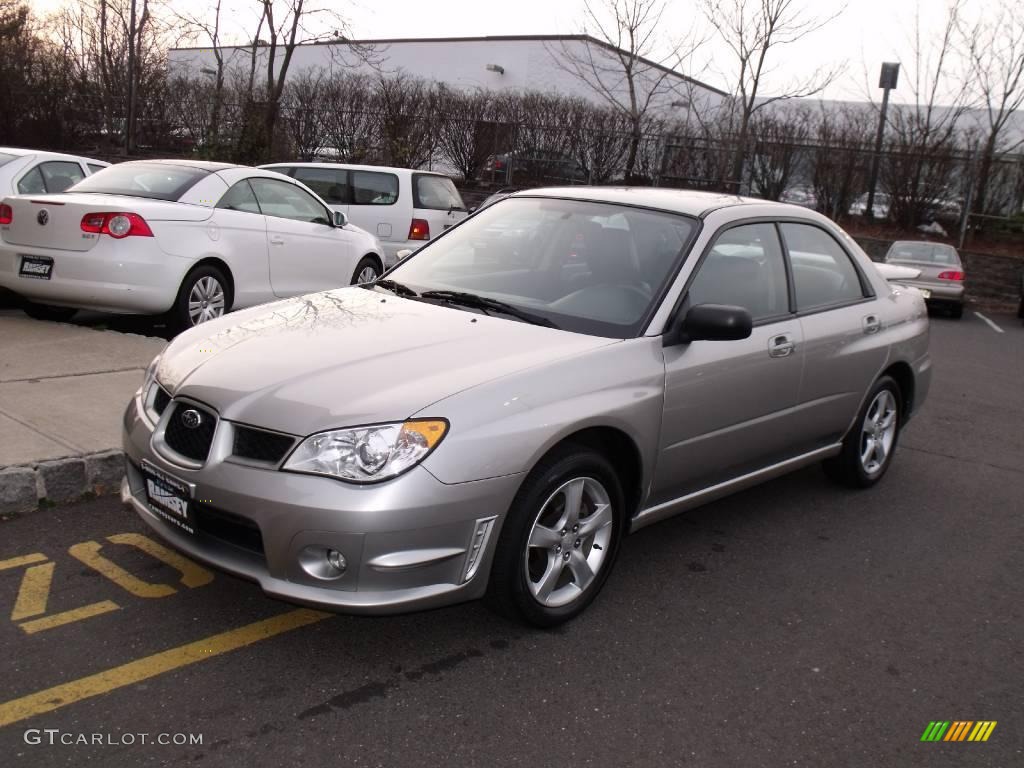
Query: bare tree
754, 31
465, 129
924, 137
627, 65
995, 49
208, 28
842, 140
776, 151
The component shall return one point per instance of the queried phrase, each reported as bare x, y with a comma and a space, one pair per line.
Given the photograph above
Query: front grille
192, 442
228, 527
260, 445
160, 400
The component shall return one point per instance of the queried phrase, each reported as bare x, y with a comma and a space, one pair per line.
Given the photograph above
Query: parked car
882, 206
194, 239
803, 196
472, 426
533, 167
942, 273
403, 207
34, 172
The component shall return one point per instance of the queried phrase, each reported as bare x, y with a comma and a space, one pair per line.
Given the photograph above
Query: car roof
205, 165
23, 152
350, 166
685, 201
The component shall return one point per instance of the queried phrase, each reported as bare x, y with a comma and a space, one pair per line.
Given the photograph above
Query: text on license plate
166, 499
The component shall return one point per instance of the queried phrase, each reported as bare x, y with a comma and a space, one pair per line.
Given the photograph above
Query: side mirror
404, 253
340, 219
714, 322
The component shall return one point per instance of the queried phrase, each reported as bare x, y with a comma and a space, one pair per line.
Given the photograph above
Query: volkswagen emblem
191, 418
42, 217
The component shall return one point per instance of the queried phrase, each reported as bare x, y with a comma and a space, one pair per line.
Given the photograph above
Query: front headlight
368, 454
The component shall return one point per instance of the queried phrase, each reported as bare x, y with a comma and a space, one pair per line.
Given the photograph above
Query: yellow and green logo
958, 730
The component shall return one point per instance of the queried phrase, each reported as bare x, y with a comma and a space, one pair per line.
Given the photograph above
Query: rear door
727, 403
380, 206
307, 253
437, 201
841, 327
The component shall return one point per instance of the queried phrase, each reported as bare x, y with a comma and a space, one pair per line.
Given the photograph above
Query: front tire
869, 447
48, 312
367, 270
204, 295
559, 540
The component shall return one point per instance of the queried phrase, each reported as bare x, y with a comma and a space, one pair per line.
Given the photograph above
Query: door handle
780, 346
872, 324
277, 240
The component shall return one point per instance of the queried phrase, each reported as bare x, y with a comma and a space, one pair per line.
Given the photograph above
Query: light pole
886, 81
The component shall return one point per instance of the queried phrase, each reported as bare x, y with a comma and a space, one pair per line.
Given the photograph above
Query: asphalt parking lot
793, 624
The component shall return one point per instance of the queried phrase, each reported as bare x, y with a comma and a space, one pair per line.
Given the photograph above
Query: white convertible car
191, 239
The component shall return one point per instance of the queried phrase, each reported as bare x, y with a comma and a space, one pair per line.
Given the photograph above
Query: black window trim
866, 289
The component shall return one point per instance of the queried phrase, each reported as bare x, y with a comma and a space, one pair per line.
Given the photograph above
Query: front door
307, 253
726, 402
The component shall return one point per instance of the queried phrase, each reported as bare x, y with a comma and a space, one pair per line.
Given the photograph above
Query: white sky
867, 33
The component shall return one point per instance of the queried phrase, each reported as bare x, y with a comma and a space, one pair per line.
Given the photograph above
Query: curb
27, 488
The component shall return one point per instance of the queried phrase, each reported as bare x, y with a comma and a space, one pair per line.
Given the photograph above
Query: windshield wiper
392, 285
484, 303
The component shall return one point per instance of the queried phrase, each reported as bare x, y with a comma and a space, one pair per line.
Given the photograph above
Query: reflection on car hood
350, 356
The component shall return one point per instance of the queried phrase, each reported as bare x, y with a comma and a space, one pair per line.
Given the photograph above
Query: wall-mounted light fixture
496, 68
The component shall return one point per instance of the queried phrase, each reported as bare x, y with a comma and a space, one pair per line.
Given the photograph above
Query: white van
401, 206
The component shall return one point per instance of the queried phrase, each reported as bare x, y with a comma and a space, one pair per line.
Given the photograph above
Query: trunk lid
55, 221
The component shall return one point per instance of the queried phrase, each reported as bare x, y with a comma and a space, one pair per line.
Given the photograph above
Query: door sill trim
689, 501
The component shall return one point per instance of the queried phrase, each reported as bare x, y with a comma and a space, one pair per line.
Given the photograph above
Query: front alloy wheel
559, 539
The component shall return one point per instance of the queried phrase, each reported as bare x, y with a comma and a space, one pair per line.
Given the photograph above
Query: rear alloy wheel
869, 447
203, 296
367, 270
559, 540
48, 312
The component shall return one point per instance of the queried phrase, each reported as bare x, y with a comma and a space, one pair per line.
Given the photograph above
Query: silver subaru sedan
491, 417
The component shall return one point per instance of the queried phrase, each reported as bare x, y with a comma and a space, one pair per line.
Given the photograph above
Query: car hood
350, 356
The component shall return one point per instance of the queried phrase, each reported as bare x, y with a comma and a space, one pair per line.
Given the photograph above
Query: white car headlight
368, 454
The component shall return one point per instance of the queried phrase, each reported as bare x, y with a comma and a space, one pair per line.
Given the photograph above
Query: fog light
336, 560
323, 562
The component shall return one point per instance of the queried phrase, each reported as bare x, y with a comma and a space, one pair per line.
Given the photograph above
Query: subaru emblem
191, 418
43, 217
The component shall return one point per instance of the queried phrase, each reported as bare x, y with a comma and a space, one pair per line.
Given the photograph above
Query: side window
372, 188
32, 183
744, 268
287, 201
240, 198
330, 183
95, 168
58, 176
823, 274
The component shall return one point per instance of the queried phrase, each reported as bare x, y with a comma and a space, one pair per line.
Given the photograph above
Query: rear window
157, 181
6, 158
436, 193
932, 252
374, 188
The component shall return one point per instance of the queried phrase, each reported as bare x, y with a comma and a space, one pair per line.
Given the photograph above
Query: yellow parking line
67, 617
17, 562
151, 666
34, 592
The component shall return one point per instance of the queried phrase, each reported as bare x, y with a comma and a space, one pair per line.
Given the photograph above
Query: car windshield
934, 253
6, 158
587, 267
159, 181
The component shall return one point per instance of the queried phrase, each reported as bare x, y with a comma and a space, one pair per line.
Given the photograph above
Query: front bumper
407, 541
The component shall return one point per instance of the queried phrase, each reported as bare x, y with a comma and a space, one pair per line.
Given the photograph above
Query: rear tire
869, 447
205, 294
367, 270
559, 540
49, 312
